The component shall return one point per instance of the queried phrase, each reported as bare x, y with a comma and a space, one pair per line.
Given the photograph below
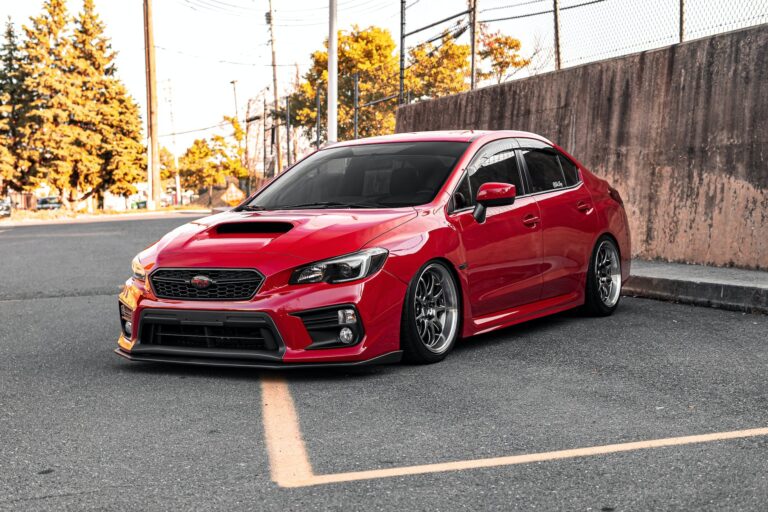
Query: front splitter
390, 358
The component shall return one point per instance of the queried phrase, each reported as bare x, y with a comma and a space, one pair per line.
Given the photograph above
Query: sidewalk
106, 217
726, 288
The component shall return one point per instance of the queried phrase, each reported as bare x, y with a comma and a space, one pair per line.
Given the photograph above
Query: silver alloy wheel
436, 308
608, 273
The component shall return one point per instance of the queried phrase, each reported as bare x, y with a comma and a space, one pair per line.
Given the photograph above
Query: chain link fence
591, 30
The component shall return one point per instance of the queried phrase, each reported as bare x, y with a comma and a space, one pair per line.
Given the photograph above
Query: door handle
530, 220
583, 206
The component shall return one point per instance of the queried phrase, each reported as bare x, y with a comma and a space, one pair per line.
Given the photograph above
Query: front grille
225, 284
202, 329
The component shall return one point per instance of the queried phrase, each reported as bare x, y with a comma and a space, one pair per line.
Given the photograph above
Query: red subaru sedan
382, 249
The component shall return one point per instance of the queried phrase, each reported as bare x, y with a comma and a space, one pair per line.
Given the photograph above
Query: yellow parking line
288, 458
290, 464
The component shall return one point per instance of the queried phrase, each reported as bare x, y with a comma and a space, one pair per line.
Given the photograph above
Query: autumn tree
14, 102
196, 166
438, 70
168, 166
503, 53
207, 163
369, 52
229, 151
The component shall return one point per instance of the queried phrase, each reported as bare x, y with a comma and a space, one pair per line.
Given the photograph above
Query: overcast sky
202, 45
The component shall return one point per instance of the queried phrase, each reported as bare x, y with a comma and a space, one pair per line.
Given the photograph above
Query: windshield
365, 176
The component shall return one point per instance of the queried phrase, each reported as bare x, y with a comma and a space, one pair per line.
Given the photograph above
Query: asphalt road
81, 428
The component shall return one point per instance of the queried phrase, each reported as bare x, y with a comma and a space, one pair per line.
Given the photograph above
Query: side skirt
513, 316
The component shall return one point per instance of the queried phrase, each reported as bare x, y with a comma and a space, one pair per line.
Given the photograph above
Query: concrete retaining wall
681, 131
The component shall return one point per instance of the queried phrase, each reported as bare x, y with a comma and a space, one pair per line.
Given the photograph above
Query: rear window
544, 169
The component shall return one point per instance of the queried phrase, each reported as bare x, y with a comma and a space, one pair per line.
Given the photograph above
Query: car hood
276, 239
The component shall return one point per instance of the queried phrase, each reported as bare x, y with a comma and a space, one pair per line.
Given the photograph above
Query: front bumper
378, 301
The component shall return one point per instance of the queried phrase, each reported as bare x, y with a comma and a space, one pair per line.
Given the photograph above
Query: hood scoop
257, 229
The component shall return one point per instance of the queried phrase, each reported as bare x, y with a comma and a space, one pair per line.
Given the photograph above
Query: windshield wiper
326, 204
250, 208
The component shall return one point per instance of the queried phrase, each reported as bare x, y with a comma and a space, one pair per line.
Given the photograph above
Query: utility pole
264, 137
288, 129
682, 20
401, 96
473, 25
154, 144
169, 92
271, 21
333, 71
317, 118
357, 101
556, 12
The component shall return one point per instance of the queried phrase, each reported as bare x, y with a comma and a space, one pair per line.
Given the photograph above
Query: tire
432, 304
603, 287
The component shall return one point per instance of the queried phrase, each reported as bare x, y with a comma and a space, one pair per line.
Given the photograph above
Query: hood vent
254, 228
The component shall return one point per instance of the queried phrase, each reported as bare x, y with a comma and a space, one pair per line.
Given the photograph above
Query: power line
219, 125
215, 59
550, 11
512, 6
206, 6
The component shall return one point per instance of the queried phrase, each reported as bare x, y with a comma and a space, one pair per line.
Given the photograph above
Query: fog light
347, 317
128, 329
346, 336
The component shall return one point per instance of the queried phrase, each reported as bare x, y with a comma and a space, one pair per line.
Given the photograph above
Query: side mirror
493, 194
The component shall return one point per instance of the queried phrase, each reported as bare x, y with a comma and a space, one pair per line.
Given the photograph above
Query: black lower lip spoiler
389, 358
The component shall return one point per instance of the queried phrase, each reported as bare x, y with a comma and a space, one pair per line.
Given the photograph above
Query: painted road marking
290, 465
288, 457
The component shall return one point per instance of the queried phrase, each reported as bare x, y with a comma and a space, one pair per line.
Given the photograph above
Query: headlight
342, 269
138, 269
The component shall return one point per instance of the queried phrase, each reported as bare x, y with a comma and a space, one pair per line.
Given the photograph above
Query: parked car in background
5, 207
48, 203
374, 250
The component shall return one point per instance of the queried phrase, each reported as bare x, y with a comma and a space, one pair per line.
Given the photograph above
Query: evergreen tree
91, 67
48, 136
14, 101
107, 114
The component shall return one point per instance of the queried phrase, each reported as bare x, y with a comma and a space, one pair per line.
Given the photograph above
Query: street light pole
556, 12
473, 43
234, 93
333, 71
357, 101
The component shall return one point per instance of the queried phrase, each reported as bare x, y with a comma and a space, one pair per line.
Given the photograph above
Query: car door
568, 218
502, 253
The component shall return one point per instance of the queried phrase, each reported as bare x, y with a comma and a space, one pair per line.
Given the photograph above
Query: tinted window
462, 197
570, 171
544, 169
501, 168
370, 175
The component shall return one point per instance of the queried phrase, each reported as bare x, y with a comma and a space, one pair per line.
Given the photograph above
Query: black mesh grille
250, 337
225, 284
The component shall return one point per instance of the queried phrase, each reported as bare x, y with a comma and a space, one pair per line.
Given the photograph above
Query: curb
732, 297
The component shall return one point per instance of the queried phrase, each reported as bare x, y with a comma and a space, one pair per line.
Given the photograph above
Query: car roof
439, 136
